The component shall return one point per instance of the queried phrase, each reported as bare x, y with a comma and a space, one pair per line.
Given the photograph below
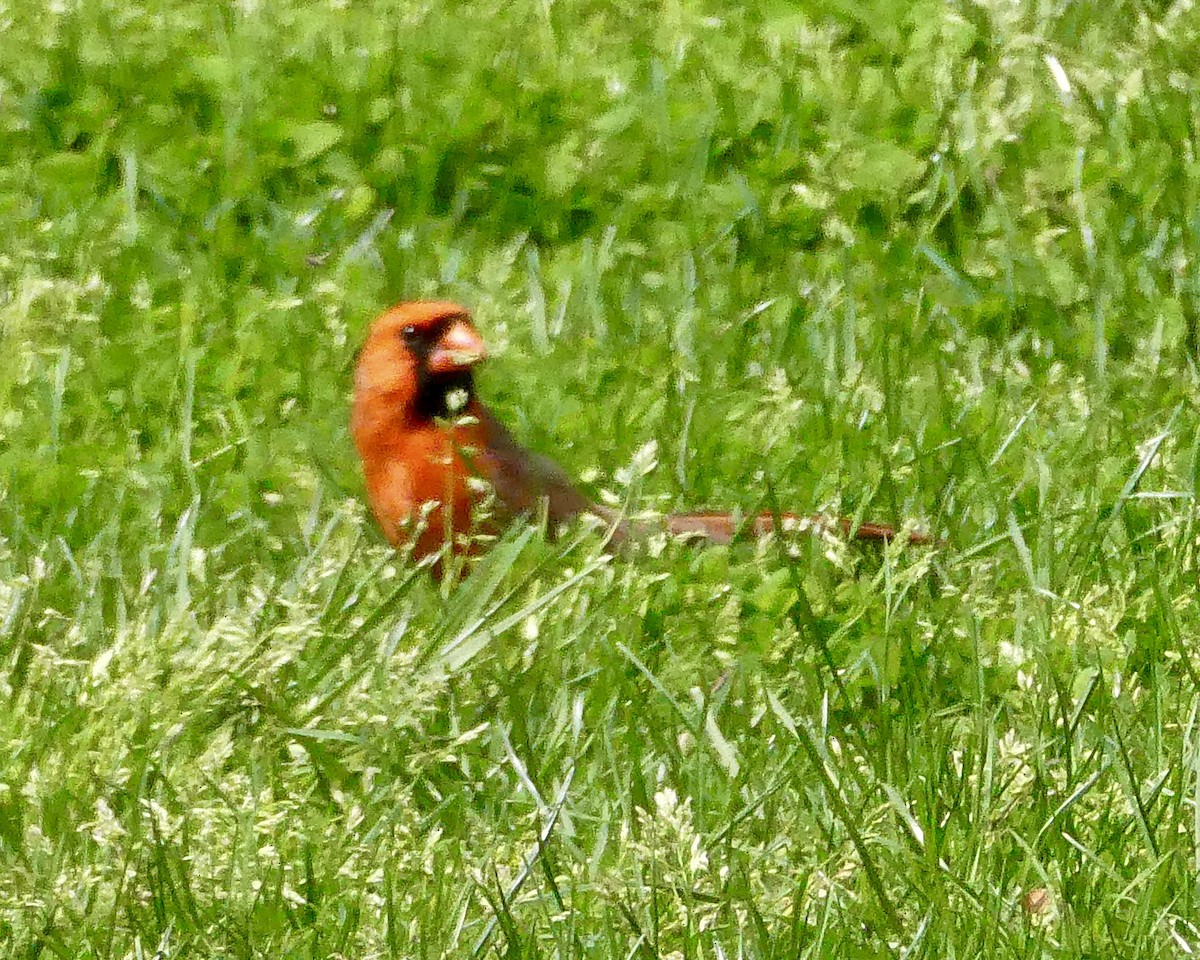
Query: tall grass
933, 261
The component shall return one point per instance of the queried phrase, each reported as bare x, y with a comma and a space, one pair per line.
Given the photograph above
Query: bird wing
522, 478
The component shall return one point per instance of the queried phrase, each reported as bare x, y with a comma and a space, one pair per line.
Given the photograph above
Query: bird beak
459, 348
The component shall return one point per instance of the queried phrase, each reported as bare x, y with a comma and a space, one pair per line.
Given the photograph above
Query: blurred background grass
931, 260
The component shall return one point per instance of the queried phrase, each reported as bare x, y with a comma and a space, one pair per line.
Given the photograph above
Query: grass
933, 261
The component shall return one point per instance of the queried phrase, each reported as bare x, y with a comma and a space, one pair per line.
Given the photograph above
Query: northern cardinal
430, 448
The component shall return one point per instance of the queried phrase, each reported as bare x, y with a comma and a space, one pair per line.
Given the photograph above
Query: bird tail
723, 527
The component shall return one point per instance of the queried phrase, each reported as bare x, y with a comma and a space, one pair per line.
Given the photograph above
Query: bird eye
409, 333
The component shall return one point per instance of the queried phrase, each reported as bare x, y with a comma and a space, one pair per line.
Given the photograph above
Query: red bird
426, 441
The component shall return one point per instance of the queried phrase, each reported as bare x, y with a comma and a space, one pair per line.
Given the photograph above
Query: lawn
933, 262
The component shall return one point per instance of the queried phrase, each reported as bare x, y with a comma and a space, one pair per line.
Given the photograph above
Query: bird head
419, 354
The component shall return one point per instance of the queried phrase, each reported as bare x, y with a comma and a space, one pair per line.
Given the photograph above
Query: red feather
425, 441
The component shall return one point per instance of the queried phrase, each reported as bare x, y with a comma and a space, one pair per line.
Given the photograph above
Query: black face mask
433, 390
